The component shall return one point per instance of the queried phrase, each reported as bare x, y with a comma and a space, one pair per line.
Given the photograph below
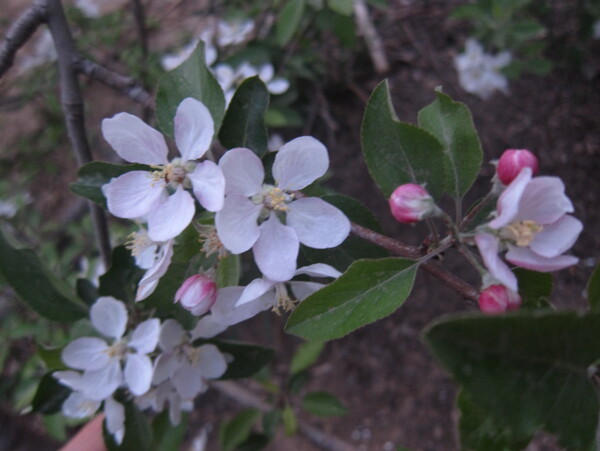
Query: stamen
521, 233
211, 243
277, 199
283, 302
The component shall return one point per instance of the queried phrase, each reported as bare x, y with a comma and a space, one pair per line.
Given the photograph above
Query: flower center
138, 242
174, 173
273, 198
117, 350
211, 243
283, 302
194, 355
521, 233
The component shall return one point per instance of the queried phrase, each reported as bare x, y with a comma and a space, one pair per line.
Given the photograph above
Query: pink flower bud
411, 203
498, 299
512, 161
197, 294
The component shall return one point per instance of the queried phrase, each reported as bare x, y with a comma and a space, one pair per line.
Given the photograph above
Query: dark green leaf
244, 124
138, 433
323, 404
306, 354
52, 357
534, 287
49, 396
297, 381
120, 281
452, 124
254, 442
37, 286
167, 436
343, 7
235, 432
164, 294
87, 291
92, 176
228, 271
526, 370
593, 289
190, 79
369, 290
271, 421
288, 21
397, 153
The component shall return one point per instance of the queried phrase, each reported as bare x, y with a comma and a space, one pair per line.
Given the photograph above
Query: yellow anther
277, 199
521, 233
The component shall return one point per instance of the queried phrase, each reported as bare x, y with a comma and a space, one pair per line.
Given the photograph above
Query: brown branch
369, 33
19, 33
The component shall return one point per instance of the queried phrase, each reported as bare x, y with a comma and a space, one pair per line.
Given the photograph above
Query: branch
369, 33
19, 33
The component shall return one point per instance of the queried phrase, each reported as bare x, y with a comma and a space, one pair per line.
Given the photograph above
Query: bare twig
19, 33
319, 438
369, 33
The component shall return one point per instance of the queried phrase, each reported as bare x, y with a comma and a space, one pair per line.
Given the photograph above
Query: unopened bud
197, 294
411, 203
513, 161
498, 299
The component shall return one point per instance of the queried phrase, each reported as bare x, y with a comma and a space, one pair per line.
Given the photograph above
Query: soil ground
395, 392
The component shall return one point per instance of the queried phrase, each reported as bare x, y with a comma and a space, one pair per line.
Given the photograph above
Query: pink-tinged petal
243, 170
86, 353
508, 202
276, 250
194, 129
525, 258
138, 373
172, 217
236, 223
208, 185
79, 406
147, 285
109, 317
207, 327
101, 384
317, 223
212, 363
302, 290
188, 381
146, 289
556, 238
171, 334
134, 140
319, 270
544, 201
299, 163
488, 248
255, 289
133, 194
145, 336
225, 312
115, 419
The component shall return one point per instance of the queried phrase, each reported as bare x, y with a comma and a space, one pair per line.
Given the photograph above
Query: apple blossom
230, 78
251, 214
533, 225
512, 161
498, 299
160, 196
197, 294
411, 203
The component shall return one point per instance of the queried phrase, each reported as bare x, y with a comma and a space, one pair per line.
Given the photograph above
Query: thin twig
369, 33
19, 33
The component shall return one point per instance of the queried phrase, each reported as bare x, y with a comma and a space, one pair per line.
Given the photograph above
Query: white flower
163, 393
250, 217
237, 304
160, 196
234, 32
171, 60
230, 78
479, 72
533, 225
102, 363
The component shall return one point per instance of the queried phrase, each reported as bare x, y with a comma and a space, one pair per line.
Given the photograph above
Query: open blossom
160, 196
250, 217
533, 225
233, 32
122, 362
230, 78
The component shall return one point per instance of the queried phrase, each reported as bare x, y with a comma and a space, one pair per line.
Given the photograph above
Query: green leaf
138, 434
233, 433
41, 290
190, 79
452, 124
244, 124
527, 370
120, 281
168, 436
228, 271
593, 289
343, 7
86, 291
92, 176
49, 396
534, 287
288, 21
323, 404
306, 354
397, 153
369, 290
290, 422
52, 357
271, 422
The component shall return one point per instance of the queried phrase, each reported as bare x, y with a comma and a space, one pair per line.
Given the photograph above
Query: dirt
395, 393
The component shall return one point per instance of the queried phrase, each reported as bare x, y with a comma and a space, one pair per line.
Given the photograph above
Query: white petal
225, 312
149, 282
556, 238
208, 184
172, 217
266, 72
115, 418
145, 336
133, 194
302, 290
236, 223
278, 86
146, 289
171, 334
71, 379
508, 202
488, 248
78, 406
109, 317
194, 129
255, 289
212, 363
317, 223
243, 170
134, 140
164, 367
207, 327
138, 373
86, 353
544, 201
188, 381
525, 258
100, 384
276, 250
319, 270
299, 163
